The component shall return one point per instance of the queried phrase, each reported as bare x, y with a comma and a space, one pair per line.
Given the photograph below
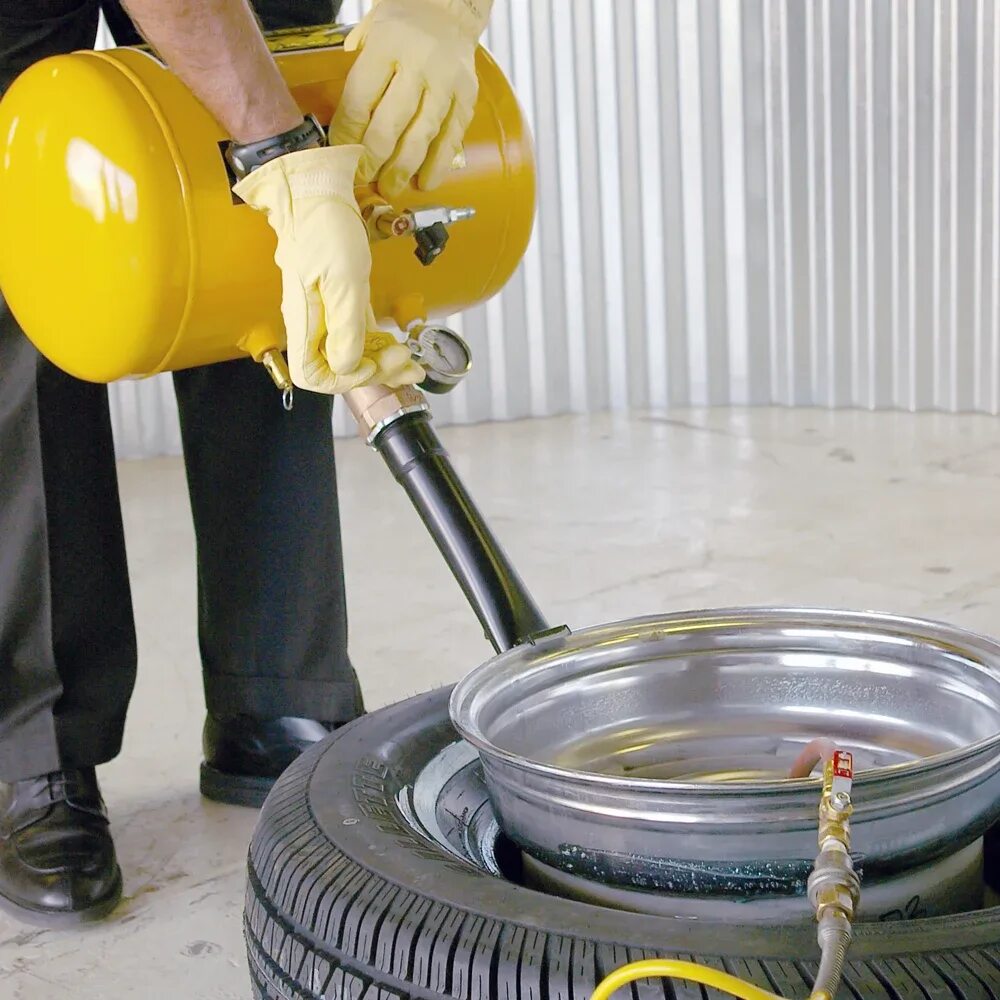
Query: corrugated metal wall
741, 201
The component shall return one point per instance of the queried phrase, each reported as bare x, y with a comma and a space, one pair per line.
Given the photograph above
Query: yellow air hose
692, 972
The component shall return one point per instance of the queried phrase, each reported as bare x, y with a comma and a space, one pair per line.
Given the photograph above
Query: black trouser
271, 608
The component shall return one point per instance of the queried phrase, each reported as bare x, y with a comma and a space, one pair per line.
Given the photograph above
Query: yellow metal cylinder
123, 251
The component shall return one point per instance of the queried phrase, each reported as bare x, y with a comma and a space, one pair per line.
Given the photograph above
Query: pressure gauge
443, 354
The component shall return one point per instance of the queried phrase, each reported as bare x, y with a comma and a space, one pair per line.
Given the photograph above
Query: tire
345, 899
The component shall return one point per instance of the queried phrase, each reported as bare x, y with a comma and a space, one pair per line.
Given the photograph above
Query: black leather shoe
244, 756
57, 859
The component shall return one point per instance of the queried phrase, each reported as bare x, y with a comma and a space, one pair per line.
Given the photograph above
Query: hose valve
834, 887
428, 226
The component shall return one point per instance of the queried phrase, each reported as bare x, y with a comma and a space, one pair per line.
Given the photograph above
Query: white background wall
741, 201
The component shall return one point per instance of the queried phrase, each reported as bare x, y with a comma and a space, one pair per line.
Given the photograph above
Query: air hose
834, 891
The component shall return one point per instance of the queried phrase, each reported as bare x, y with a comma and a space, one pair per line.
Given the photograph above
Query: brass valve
428, 226
834, 886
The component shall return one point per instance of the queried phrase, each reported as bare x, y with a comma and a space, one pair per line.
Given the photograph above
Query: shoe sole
72, 918
234, 789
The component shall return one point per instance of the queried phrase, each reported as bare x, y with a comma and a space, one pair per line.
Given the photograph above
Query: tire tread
320, 926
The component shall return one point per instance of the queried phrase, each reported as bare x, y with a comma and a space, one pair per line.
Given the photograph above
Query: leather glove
325, 264
411, 94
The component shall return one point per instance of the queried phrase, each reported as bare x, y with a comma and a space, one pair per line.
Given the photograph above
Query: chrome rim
473, 693
563, 726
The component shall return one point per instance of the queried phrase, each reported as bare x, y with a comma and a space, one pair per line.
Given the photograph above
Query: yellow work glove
394, 365
410, 96
325, 264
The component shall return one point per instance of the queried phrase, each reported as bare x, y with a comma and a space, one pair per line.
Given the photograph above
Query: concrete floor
606, 518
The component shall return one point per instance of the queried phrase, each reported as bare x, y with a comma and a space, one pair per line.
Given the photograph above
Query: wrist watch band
247, 157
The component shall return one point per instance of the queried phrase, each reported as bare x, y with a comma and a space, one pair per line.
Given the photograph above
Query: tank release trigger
430, 230
430, 243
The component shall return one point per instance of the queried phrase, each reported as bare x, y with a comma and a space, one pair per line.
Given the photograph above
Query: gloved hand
394, 365
410, 96
325, 263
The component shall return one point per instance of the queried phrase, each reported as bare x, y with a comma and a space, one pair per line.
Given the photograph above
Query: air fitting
276, 366
375, 407
834, 887
428, 226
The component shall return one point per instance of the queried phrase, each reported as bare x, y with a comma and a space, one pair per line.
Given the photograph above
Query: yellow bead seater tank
123, 251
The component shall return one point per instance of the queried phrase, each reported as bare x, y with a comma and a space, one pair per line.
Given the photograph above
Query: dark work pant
271, 609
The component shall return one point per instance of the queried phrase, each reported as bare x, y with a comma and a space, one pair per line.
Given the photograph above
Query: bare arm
216, 47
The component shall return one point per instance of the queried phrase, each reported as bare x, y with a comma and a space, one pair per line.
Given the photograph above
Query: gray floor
606, 518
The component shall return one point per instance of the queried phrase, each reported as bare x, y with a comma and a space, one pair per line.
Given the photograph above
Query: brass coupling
381, 220
375, 407
833, 884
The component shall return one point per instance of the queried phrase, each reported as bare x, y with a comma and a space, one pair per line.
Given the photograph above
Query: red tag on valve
843, 764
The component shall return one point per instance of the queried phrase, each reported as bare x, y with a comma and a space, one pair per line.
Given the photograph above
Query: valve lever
428, 226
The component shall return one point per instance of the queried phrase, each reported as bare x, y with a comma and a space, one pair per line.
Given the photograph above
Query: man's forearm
217, 49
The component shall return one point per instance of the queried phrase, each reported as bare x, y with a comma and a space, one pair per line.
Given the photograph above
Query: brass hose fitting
834, 887
834, 891
274, 362
374, 407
